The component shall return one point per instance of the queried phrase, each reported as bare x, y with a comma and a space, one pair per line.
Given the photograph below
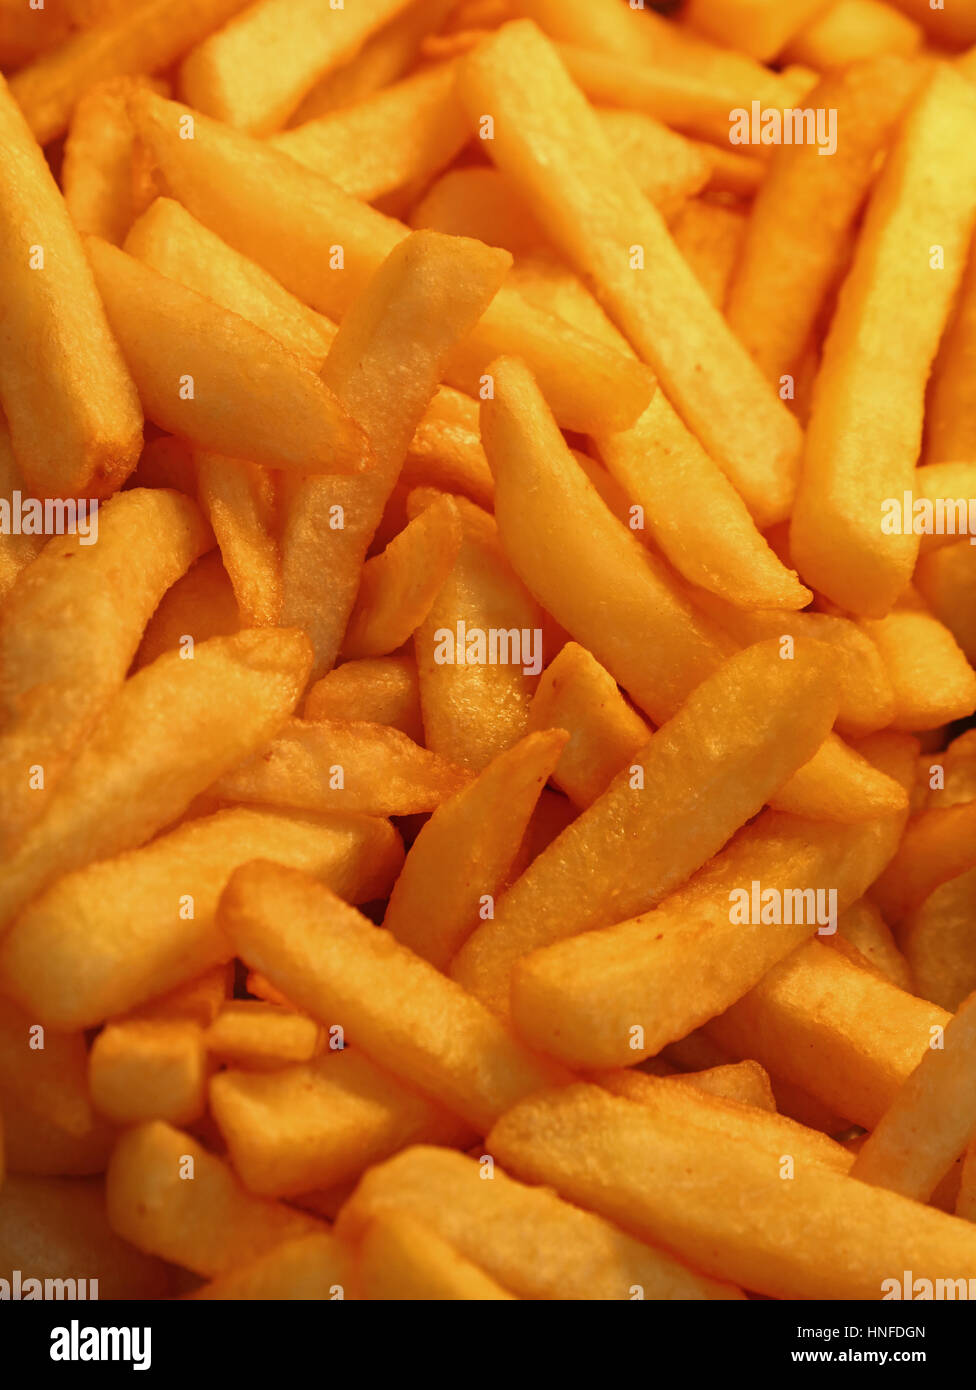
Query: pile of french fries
485, 590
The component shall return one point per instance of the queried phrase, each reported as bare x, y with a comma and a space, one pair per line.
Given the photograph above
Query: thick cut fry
805, 1019
939, 942
428, 293
759, 27
462, 857
169, 240
379, 690
656, 646
932, 1118
939, 845
167, 1196
745, 1082
950, 417
475, 707
330, 765
56, 1228
50, 1079
703, 775
103, 189
798, 235
310, 1269
401, 1259
118, 933
398, 138
675, 1098
605, 732
255, 71
933, 683
553, 148
398, 587
147, 37
334, 964
142, 1071
324, 1123
209, 376
55, 678
867, 701
839, 784
262, 1035
695, 514
946, 581
883, 339
200, 605
238, 497
172, 729
613, 997
72, 408
853, 31
527, 1238
284, 217
594, 1149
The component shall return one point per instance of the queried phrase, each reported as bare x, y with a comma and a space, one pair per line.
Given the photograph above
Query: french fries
402, 1260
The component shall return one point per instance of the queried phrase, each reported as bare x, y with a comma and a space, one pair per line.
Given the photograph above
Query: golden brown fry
380, 690
200, 605
149, 1070
103, 190
238, 497
400, 1259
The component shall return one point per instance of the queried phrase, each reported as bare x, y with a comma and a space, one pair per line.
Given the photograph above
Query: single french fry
575, 693
867, 701
200, 605
309, 1269
552, 146
933, 683
939, 845
398, 587
423, 299
805, 1019
172, 729
380, 690
461, 859
732, 172
939, 942
648, 832
930, 1121
686, 1100
884, 337
594, 1148
662, 649
475, 707
45, 1072
745, 1082
140, 1071
400, 1259
811, 203
259, 1035
146, 37
338, 967
323, 1123
614, 996
853, 31
255, 70
238, 497
110, 937
865, 928
169, 240
56, 680
759, 27
197, 1001
70, 404
397, 138
527, 1238
57, 1228
283, 216
946, 580
209, 376
839, 784
333, 765
709, 236
210, 1225
695, 514
446, 451
102, 190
